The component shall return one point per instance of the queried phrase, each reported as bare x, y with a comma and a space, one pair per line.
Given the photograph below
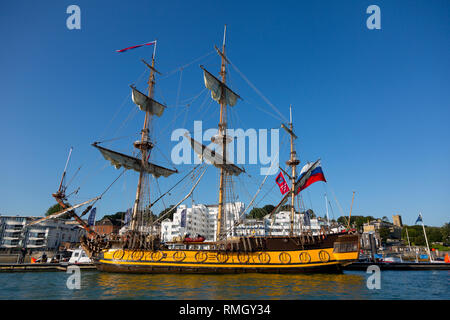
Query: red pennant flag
134, 47
282, 183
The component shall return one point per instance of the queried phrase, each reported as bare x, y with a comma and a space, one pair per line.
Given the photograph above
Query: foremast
141, 212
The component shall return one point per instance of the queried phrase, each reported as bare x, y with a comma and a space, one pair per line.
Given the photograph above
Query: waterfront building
199, 220
397, 220
233, 213
251, 227
107, 226
394, 231
48, 235
280, 226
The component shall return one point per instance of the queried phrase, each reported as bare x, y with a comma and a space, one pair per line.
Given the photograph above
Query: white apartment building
281, 225
47, 235
251, 227
199, 220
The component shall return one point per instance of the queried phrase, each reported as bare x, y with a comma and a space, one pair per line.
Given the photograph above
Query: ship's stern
346, 248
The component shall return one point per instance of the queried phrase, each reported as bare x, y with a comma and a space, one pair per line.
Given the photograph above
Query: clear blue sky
374, 105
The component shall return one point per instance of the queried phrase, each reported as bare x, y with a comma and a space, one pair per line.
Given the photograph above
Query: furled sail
147, 104
121, 160
213, 157
216, 86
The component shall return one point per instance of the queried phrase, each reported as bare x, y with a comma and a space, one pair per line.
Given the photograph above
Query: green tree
118, 216
434, 234
358, 221
257, 213
384, 234
445, 232
286, 207
342, 220
170, 215
268, 208
57, 208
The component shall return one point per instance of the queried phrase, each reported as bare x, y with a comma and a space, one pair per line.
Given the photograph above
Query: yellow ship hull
207, 261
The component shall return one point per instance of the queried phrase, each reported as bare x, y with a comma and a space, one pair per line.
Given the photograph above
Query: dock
42, 267
399, 266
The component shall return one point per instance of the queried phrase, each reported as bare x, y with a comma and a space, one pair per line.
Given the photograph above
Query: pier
42, 267
399, 266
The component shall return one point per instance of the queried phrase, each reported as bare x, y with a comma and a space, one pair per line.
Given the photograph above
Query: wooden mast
351, 207
144, 145
222, 136
293, 162
60, 197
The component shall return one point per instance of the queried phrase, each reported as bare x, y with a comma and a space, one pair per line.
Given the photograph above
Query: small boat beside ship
79, 256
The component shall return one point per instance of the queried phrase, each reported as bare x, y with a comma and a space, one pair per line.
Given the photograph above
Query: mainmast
144, 145
222, 139
224, 96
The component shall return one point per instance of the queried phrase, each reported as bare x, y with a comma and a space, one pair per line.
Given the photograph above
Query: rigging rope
121, 106
187, 196
175, 185
186, 65
258, 92
238, 222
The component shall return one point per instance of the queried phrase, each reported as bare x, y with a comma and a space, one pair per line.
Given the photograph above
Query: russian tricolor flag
311, 172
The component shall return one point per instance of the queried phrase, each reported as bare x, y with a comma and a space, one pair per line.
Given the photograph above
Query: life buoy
284, 257
156, 256
222, 257
243, 257
137, 255
201, 256
179, 256
304, 257
264, 257
324, 256
118, 254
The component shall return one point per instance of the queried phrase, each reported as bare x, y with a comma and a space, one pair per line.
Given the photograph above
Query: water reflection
241, 286
350, 285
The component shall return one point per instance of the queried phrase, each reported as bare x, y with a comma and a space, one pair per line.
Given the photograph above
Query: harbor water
350, 285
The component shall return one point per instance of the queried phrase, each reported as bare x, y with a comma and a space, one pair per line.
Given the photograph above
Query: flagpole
409, 244
426, 240
326, 205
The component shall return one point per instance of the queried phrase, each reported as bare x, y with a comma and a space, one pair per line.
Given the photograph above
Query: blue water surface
351, 285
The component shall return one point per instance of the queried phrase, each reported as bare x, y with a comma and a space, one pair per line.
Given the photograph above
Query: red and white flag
282, 183
139, 45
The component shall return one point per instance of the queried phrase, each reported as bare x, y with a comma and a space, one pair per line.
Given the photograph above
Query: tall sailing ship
141, 249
